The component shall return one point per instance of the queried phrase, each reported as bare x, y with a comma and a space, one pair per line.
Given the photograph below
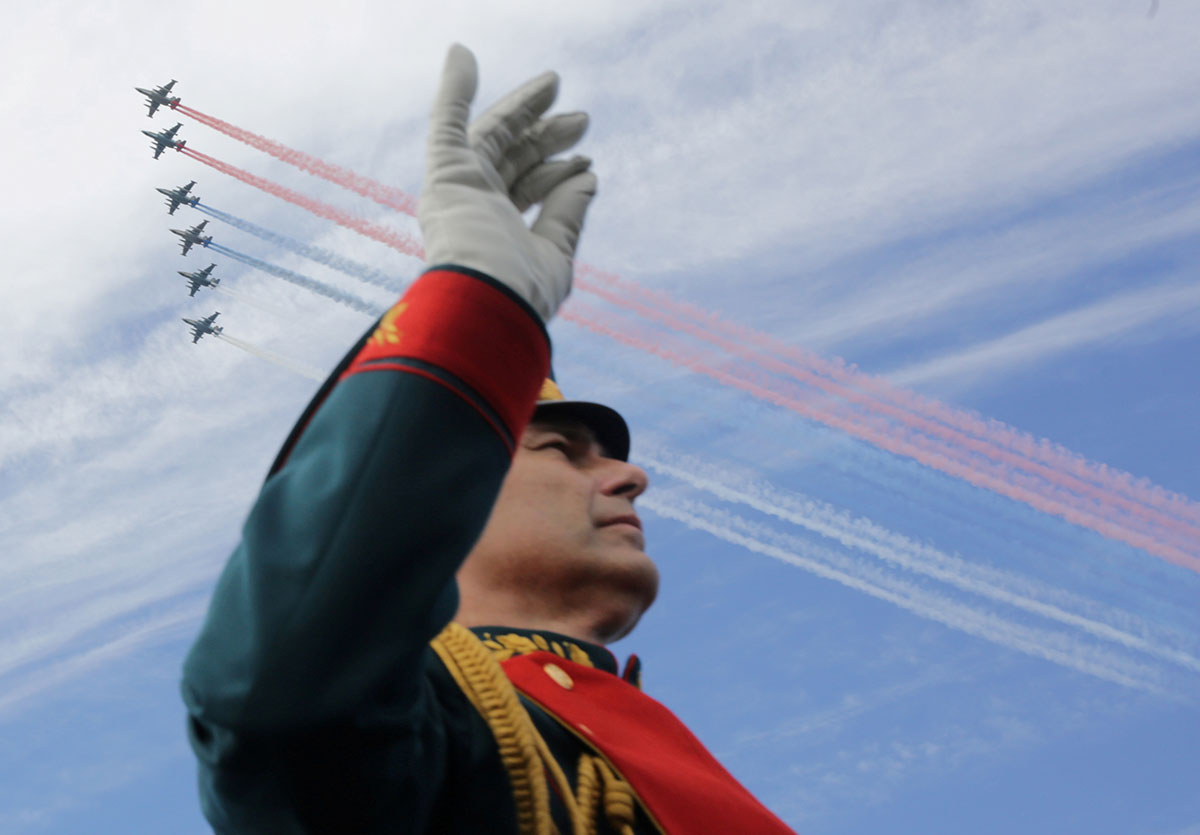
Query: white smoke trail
283, 362
320, 288
348, 266
1059, 648
896, 549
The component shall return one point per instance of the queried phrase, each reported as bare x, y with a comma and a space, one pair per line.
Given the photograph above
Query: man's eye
562, 446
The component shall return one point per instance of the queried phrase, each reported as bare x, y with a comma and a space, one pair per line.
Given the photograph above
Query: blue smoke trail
348, 299
314, 253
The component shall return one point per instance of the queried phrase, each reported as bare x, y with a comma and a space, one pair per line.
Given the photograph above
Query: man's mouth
627, 519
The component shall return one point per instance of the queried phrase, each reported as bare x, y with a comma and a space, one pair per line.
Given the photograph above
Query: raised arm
346, 565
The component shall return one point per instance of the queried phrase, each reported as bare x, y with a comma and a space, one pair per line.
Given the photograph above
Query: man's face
563, 531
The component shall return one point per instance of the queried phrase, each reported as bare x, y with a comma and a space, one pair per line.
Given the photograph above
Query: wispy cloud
172, 625
1104, 323
899, 170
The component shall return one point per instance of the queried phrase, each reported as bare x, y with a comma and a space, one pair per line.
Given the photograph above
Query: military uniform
317, 701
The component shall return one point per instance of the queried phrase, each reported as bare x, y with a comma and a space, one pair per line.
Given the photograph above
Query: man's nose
624, 479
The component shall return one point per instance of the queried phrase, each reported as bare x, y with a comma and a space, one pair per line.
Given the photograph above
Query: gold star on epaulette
387, 333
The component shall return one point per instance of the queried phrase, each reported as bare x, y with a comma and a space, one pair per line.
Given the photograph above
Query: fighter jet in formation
164, 139
200, 278
203, 326
177, 196
192, 236
159, 96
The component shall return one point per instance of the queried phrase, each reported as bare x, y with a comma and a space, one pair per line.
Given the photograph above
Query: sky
900, 300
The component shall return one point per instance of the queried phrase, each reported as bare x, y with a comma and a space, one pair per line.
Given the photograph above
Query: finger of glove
452, 104
506, 120
542, 179
543, 139
563, 209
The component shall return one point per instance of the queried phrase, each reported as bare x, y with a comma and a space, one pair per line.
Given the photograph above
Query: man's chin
643, 576
627, 569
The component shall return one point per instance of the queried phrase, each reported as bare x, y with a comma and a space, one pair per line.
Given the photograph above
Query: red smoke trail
1042, 456
993, 435
396, 240
884, 434
1141, 499
952, 443
883, 439
386, 195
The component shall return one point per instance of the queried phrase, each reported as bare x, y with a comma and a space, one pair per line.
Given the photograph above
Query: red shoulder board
679, 782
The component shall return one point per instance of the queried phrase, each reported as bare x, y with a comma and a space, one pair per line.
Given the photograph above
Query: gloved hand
478, 182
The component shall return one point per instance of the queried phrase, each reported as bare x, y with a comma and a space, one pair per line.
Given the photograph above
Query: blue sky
991, 205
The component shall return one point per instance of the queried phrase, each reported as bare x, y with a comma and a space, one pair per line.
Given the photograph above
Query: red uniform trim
408, 369
473, 330
682, 785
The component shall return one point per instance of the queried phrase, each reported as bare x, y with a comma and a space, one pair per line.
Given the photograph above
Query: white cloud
1108, 323
813, 134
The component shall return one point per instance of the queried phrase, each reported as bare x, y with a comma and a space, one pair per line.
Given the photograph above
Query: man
329, 690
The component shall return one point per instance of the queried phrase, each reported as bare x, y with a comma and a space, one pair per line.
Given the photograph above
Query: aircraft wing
153, 107
195, 285
158, 149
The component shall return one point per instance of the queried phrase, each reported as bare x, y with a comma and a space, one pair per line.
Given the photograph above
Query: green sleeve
311, 690
346, 564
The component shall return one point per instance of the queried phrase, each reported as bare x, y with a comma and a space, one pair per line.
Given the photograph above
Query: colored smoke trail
991, 437
746, 380
283, 362
933, 437
314, 253
397, 240
1063, 483
1059, 648
310, 284
385, 195
860, 534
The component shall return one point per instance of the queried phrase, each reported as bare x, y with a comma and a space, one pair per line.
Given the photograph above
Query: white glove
477, 183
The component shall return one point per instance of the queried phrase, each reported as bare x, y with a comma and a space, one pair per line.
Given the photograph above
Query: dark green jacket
315, 703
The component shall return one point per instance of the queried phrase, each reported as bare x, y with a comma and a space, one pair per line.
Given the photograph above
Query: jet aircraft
159, 96
203, 326
177, 196
164, 139
200, 278
192, 236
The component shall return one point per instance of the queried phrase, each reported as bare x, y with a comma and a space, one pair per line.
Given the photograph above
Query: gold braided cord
579, 824
587, 794
525, 754
482, 678
619, 805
